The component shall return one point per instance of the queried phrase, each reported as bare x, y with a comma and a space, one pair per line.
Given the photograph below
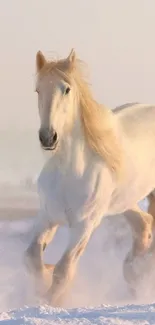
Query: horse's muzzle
48, 139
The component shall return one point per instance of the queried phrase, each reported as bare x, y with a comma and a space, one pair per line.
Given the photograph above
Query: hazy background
116, 38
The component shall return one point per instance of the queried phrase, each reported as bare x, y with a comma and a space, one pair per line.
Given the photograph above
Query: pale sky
116, 38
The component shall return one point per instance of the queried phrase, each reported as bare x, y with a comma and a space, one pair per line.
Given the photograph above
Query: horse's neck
77, 152
74, 154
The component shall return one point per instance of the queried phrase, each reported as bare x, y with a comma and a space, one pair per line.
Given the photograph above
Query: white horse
101, 164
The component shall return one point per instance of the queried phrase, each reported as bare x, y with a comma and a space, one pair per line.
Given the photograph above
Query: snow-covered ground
98, 287
106, 315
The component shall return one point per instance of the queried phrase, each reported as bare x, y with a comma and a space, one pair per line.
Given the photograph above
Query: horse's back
137, 120
121, 107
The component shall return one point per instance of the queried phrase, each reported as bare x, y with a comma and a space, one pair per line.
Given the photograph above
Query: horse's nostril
41, 136
55, 137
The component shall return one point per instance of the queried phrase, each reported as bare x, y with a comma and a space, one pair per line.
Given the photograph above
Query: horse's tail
151, 207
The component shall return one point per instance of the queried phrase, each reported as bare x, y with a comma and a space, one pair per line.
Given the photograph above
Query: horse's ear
40, 60
71, 58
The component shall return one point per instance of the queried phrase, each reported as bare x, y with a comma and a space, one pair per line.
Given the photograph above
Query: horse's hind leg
141, 225
151, 207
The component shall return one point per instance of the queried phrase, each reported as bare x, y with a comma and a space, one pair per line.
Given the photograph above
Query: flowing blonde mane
99, 122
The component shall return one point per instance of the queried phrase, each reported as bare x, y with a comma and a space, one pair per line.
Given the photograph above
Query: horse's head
56, 95
66, 103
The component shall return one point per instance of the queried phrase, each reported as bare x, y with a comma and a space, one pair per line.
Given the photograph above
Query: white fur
77, 188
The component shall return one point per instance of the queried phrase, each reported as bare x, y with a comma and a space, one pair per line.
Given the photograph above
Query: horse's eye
67, 90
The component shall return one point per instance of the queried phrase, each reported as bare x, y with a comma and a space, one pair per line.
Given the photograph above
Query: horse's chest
50, 191
63, 196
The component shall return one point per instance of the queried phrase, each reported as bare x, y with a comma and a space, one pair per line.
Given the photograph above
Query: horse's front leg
34, 253
43, 235
65, 269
